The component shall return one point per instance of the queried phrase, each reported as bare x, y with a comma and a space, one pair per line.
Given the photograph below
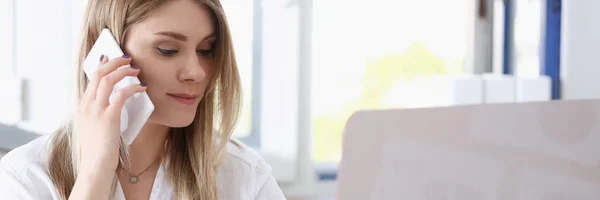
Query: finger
122, 95
90, 91
106, 67
109, 81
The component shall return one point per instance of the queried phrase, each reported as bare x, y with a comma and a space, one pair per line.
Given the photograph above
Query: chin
180, 123
175, 120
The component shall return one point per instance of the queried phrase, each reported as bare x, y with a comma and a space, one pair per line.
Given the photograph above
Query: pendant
133, 179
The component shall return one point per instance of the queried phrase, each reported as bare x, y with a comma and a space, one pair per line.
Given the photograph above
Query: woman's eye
204, 52
166, 52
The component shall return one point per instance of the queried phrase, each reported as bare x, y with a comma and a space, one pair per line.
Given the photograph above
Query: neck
148, 146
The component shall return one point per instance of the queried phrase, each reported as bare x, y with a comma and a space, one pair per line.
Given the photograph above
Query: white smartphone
137, 108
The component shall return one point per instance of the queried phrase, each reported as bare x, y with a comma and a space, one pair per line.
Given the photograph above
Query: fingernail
135, 67
126, 56
101, 58
143, 84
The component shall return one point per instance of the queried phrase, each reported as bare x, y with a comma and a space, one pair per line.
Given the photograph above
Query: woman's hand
97, 124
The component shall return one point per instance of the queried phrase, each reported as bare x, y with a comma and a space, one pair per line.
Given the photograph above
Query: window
525, 50
8, 81
527, 34
367, 55
6, 37
240, 18
44, 62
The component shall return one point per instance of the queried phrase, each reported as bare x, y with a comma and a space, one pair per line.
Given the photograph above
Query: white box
534, 89
498, 88
467, 90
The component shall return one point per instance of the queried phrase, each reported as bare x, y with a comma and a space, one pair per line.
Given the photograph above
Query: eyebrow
181, 37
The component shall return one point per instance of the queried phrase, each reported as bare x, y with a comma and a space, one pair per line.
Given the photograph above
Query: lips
187, 99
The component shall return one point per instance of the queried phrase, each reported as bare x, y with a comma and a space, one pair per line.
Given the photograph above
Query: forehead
184, 16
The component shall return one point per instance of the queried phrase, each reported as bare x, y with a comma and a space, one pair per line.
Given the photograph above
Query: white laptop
522, 151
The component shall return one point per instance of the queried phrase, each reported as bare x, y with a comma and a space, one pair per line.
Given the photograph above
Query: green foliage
381, 72
379, 77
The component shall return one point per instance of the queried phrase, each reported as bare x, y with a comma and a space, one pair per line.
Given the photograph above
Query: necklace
133, 178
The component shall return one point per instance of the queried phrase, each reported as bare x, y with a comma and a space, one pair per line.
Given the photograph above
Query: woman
182, 53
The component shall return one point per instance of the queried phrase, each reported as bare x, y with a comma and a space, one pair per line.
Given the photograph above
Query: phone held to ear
137, 108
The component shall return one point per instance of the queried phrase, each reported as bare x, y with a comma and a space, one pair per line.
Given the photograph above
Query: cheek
153, 71
155, 74
159, 78
209, 69
152, 68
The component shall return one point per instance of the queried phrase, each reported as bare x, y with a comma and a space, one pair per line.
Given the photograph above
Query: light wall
579, 49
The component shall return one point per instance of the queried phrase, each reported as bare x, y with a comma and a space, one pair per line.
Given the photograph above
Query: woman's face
173, 48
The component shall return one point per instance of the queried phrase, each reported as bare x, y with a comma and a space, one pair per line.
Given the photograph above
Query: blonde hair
192, 152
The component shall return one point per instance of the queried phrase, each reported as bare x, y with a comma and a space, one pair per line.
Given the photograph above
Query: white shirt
243, 175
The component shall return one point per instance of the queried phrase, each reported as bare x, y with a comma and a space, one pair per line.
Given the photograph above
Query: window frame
11, 84
253, 138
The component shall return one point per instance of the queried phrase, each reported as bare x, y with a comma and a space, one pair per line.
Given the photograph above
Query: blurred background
307, 65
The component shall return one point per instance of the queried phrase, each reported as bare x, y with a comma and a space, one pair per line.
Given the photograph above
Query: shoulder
23, 157
243, 172
23, 171
240, 155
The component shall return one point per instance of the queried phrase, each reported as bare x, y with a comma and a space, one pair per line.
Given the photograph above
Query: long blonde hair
192, 152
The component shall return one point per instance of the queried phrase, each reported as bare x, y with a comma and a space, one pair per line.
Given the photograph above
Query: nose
193, 71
